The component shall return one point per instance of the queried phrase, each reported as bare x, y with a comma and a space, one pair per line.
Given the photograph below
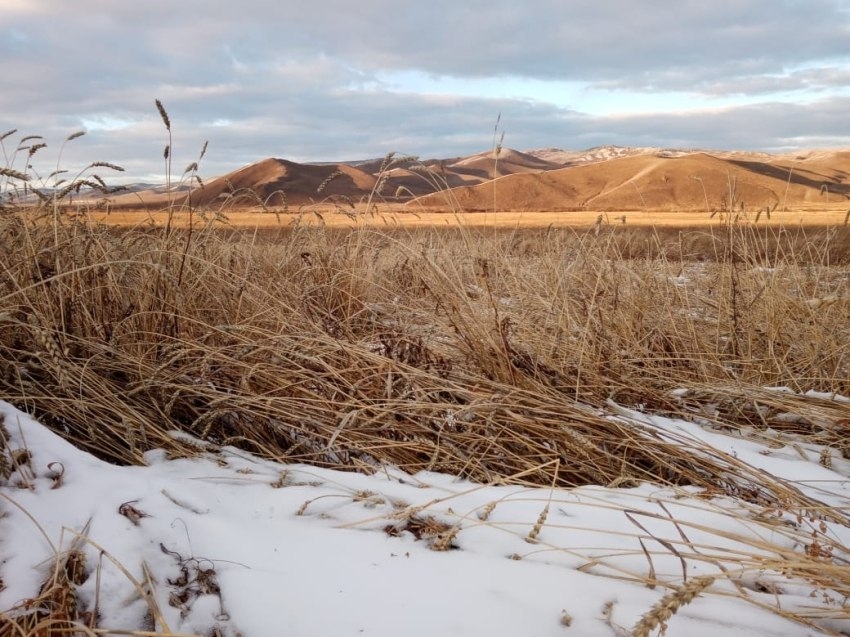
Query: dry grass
470, 352
55, 610
493, 354
667, 606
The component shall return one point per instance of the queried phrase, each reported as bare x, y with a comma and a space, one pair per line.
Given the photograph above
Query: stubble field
429, 217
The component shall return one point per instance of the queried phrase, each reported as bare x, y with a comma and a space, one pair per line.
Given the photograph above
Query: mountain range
604, 178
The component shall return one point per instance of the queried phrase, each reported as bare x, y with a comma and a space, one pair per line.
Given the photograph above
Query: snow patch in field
255, 547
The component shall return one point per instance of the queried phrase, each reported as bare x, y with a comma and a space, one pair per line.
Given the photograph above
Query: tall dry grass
479, 354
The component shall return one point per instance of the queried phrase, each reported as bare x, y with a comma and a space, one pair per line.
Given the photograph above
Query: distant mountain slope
507, 162
273, 182
420, 177
693, 181
595, 154
602, 178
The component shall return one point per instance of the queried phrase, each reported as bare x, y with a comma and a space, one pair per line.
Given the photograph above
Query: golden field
404, 217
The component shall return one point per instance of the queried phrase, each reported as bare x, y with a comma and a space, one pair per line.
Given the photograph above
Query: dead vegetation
491, 355
55, 610
474, 353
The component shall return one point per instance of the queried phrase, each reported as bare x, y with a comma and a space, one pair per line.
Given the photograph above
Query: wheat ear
668, 605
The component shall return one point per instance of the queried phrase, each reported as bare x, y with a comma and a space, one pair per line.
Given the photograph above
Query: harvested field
413, 217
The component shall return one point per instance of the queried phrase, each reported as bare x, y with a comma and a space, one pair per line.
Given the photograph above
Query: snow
231, 542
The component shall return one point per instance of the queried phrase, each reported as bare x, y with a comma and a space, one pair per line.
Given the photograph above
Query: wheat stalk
5, 439
531, 538
163, 114
485, 513
14, 174
445, 540
667, 606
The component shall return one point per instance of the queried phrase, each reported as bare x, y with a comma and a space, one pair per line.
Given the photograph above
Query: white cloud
328, 80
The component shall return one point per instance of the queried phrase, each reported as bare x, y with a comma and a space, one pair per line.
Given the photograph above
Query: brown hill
604, 178
410, 176
695, 181
486, 165
401, 177
270, 182
419, 180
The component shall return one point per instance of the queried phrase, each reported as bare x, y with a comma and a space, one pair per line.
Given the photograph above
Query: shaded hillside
409, 176
270, 182
486, 165
278, 182
827, 172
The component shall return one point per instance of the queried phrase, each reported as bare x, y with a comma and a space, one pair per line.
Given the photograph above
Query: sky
332, 80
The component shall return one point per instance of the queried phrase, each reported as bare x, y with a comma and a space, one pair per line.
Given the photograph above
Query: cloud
307, 81
772, 126
806, 80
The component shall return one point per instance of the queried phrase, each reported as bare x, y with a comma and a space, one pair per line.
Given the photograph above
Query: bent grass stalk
667, 606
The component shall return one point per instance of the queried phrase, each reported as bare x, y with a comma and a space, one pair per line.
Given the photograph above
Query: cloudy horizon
332, 81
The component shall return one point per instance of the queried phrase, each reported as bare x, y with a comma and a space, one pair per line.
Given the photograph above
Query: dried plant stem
667, 606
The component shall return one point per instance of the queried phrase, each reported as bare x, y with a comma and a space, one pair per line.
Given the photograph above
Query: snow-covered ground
229, 544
